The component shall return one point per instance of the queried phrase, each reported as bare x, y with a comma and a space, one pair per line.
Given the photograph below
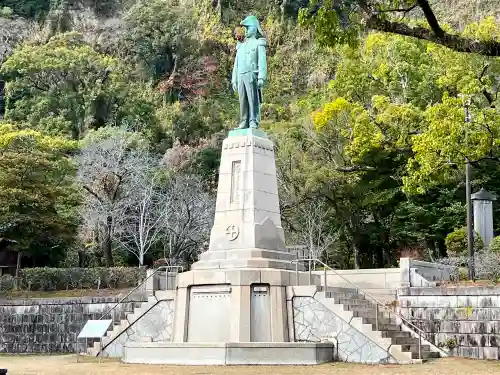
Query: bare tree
190, 219
146, 219
13, 32
109, 170
104, 34
313, 228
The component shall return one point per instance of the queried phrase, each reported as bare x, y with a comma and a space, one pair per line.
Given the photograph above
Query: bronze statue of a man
250, 73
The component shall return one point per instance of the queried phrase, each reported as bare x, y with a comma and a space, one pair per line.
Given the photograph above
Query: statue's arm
234, 78
262, 59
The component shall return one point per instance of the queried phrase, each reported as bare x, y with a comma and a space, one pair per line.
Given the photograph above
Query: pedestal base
290, 353
246, 305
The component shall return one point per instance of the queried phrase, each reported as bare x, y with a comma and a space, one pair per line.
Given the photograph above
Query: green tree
37, 193
159, 38
64, 87
359, 148
345, 21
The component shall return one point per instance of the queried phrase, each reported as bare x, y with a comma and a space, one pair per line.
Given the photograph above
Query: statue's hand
235, 86
260, 83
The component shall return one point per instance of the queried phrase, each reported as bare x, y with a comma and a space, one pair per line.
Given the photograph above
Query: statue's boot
254, 125
242, 125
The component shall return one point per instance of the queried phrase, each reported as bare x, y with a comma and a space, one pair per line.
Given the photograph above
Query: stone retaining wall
465, 318
51, 325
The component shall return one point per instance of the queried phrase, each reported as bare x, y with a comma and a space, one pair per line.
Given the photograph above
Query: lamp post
468, 192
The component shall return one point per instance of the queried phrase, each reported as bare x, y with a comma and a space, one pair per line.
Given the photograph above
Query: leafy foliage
370, 130
495, 245
37, 192
344, 21
456, 243
80, 278
65, 87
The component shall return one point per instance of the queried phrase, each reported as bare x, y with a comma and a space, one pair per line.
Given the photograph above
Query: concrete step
381, 320
353, 302
403, 340
117, 329
132, 318
106, 340
414, 348
332, 289
152, 300
162, 294
425, 355
96, 347
387, 327
340, 295
370, 313
398, 334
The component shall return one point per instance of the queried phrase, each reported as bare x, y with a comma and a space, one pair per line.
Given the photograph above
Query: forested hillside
113, 113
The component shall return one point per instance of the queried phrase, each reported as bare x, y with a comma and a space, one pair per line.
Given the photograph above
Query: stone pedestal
238, 285
235, 295
247, 230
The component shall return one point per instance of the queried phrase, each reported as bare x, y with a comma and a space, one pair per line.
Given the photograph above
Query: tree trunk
81, 258
357, 262
18, 268
107, 243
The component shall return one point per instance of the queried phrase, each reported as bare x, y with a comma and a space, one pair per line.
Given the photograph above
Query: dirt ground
71, 365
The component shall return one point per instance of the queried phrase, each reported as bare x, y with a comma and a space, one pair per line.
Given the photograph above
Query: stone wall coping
62, 301
450, 290
360, 271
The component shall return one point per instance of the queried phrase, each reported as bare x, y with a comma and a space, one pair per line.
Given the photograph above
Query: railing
377, 303
103, 347
162, 268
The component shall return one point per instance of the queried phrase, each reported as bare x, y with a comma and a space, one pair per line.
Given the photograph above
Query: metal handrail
161, 268
102, 348
419, 331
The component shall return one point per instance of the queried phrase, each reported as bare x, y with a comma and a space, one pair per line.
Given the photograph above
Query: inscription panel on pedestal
260, 314
209, 314
235, 181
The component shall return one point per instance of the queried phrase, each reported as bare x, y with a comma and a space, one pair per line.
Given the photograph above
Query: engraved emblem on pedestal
232, 231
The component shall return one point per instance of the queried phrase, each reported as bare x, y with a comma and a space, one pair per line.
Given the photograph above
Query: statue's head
252, 26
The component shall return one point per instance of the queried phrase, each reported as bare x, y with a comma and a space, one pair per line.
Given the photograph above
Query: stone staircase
387, 323
118, 327
361, 312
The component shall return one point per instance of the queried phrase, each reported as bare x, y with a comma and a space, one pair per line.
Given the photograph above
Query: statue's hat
252, 21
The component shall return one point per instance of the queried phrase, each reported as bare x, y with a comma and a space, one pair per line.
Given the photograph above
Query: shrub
486, 266
6, 12
456, 243
7, 284
495, 245
80, 278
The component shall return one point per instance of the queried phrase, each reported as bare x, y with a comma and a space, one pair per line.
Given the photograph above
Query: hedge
80, 278
7, 284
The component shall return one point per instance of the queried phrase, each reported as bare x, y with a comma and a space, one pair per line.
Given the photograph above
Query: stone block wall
51, 325
467, 318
